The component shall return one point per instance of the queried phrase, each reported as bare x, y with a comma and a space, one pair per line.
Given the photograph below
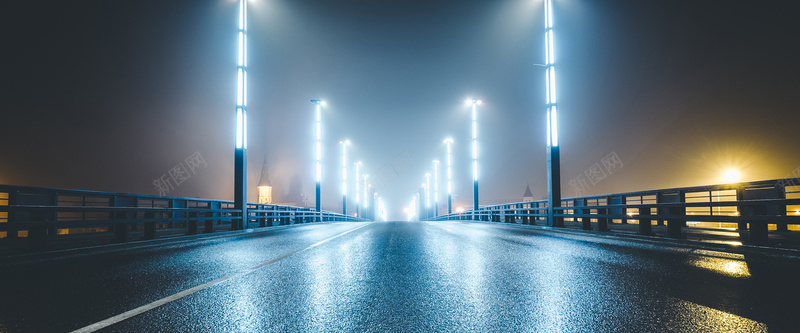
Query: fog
111, 96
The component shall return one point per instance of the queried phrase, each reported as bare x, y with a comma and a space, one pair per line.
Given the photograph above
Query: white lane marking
147, 307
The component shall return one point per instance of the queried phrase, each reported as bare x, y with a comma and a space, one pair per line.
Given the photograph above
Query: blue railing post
674, 224
660, 210
602, 222
209, 222
298, 217
270, 215
525, 214
645, 226
586, 221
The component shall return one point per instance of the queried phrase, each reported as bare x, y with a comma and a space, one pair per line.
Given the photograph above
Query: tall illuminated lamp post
427, 194
421, 196
553, 154
240, 153
435, 188
475, 206
318, 166
375, 206
357, 190
381, 209
344, 144
366, 200
414, 205
449, 178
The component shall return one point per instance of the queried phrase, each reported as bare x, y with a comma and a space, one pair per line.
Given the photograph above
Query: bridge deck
400, 276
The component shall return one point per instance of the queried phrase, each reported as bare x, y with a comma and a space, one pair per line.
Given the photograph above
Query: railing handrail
43, 214
756, 203
700, 188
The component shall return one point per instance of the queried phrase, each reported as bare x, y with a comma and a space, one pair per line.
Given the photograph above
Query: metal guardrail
749, 206
33, 218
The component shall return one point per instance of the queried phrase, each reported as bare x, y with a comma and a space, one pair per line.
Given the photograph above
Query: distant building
264, 186
528, 196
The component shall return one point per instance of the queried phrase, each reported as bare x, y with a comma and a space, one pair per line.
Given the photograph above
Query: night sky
111, 95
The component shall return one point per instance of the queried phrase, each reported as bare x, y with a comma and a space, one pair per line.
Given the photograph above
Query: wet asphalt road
402, 276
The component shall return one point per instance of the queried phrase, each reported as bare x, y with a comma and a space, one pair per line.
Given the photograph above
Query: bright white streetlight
318, 145
428, 191
449, 178
357, 190
381, 209
240, 153
474, 103
366, 187
435, 188
344, 144
553, 152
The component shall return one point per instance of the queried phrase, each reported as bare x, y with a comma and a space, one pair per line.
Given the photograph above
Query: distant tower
264, 187
528, 196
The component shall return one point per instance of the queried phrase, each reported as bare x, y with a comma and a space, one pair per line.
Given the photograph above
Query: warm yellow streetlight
731, 175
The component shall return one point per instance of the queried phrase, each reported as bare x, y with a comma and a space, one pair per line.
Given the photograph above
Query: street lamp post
240, 153
475, 206
381, 209
358, 190
418, 201
344, 144
366, 201
375, 213
421, 195
427, 194
369, 212
553, 153
449, 179
435, 188
318, 166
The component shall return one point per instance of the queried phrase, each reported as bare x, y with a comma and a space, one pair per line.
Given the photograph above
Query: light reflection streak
464, 267
319, 287
247, 318
475, 277
324, 269
728, 264
734, 243
706, 319
555, 295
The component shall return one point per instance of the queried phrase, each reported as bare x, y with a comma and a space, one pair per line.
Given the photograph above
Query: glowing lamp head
473, 102
731, 175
